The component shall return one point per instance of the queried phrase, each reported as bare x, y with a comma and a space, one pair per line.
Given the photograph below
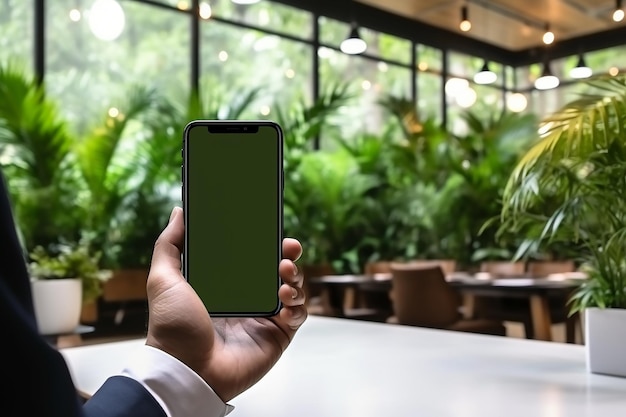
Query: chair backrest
422, 297
448, 266
545, 268
380, 267
504, 269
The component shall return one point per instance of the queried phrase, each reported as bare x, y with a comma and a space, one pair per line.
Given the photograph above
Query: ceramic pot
605, 337
57, 304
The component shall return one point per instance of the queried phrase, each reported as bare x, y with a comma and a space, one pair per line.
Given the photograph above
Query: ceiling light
466, 98
353, 44
465, 24
485, 75
618, 14
547, 81
106, 19
548, 37
516, 102
454, 85
205, 11
581, 70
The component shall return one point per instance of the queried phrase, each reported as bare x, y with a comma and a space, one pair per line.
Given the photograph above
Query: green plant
62, 261
479, 166
35, 153
132, 165
325, 207
569, 188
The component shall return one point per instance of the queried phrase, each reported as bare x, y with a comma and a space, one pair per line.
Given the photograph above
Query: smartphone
233, 206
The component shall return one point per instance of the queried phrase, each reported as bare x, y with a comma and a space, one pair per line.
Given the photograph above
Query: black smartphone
233, 205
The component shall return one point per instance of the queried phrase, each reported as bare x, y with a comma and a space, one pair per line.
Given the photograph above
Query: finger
290, 273
291, 296
291, 249
168, 247
291, 318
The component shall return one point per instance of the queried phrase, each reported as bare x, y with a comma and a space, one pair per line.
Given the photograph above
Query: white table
347, 368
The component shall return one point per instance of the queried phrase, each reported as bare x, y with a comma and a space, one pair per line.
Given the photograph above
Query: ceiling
506, 31
510, 24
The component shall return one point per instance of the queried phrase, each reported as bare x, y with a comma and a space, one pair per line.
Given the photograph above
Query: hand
230, 354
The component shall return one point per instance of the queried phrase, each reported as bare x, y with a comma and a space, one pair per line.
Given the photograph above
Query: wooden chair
448, 266
544, 268
504, 268
379, 267
422, 297
317, 298
518, 310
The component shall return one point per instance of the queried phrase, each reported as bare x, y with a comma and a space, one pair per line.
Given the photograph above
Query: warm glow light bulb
548, 37
205, 11
465, 25
455, 85
618, 15
466, 98
516, 102
75, 15
106, 19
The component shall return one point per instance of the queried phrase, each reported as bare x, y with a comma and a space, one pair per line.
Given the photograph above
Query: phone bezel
235, 125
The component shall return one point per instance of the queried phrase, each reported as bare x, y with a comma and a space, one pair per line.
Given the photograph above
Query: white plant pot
57, 304
605, 337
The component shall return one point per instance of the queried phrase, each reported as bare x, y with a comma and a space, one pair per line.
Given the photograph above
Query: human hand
230, 354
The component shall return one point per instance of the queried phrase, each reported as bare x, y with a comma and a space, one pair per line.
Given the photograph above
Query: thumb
168, 248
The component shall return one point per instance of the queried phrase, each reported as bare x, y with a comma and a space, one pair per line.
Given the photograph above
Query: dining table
537, 290
349, 368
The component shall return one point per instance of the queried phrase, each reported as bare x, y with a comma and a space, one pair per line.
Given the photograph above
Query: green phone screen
233, 211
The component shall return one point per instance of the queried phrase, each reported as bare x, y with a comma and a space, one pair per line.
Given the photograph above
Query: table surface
457, 280
346, 368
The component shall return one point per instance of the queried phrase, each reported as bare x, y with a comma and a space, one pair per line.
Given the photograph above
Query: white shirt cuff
177, 388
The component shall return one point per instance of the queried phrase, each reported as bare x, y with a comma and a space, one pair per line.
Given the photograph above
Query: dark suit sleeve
35, 378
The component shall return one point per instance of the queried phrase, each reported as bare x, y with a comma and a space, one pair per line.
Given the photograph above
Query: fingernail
294, 292
172, 215
295, 269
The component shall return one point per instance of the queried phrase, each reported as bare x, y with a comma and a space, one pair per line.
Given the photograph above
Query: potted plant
63, 277
571, 187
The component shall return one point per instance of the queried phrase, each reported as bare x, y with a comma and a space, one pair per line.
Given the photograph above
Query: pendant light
547, 80
485, 75
353, 44
618, 14
581, 70
465, 24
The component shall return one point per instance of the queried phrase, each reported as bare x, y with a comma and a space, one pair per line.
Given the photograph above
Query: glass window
236, 60
388, 47
466, 66
527, 75
429, 59
91, 65
429, 89
369, 81
602, 61
274, 16
332, 31
16, 32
